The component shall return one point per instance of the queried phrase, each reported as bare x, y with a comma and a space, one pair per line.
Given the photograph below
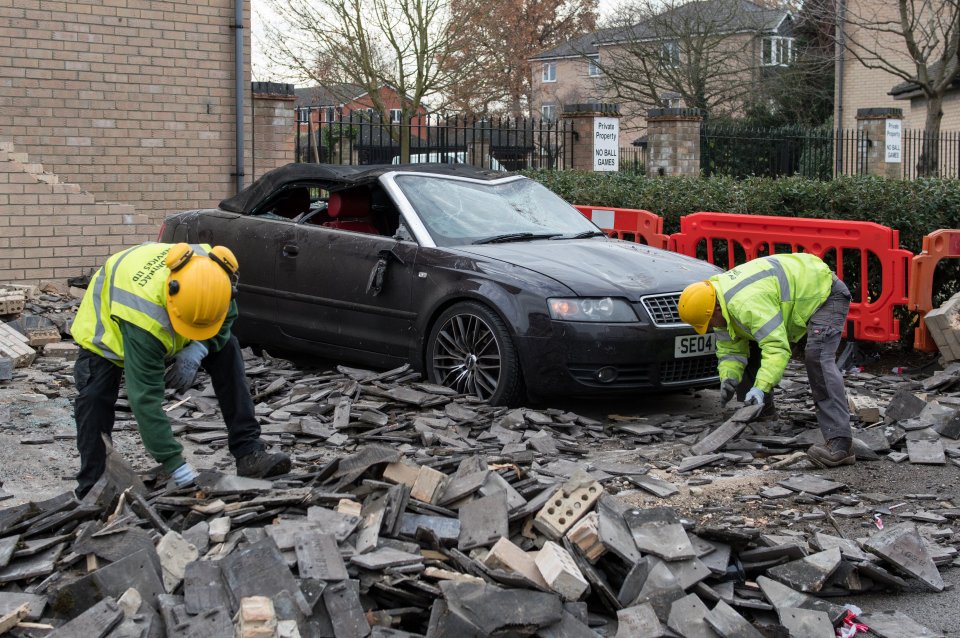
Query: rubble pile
944, 326
412, 510
35, 318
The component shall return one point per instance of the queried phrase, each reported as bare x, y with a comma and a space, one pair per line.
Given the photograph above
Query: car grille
663, 309
692, 369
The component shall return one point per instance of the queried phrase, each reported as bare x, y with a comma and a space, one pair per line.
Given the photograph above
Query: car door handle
291, 250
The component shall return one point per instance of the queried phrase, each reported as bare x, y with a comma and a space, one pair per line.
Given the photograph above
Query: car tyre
470, 350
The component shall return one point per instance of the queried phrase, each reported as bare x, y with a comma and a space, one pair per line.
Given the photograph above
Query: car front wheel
469, 350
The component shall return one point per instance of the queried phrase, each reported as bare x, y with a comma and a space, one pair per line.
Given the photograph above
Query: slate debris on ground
411, 510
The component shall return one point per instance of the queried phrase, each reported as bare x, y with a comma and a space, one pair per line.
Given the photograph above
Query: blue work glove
185, 365
728, 389
184, 475
756, 396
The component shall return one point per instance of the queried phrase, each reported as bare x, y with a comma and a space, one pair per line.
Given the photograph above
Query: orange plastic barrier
872, 315
631, 224
940, 244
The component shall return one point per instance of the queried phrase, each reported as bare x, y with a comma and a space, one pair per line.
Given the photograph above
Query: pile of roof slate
412, 510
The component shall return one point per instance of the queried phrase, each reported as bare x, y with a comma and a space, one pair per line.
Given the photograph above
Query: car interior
361, 209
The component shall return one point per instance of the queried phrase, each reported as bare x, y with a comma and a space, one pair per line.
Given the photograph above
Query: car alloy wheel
471, 352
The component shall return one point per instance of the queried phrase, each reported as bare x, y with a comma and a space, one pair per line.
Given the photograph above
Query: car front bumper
637, 356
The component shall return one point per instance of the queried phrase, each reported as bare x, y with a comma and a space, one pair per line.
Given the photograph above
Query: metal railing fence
501, 143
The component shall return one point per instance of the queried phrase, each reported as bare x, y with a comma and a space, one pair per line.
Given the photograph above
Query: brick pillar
273, 128
581, 118
673, 137
872, 124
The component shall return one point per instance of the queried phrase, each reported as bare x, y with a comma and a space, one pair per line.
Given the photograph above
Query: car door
252, 240
332, 292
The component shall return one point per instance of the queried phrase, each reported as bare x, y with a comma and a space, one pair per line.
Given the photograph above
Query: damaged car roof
247, 200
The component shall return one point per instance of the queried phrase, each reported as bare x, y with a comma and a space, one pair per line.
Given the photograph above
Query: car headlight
603, 309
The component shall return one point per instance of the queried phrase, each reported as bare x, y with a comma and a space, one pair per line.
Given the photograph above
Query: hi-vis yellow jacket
130, 286
768, 300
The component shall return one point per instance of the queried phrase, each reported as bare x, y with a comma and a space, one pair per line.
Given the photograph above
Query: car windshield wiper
499, 239
584, 235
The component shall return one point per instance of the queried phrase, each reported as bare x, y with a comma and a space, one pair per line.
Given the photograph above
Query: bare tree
403, 44
917, 41
505, 34
702, 53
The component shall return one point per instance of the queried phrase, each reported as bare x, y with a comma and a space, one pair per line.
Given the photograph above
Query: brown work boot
263, 464
833, 453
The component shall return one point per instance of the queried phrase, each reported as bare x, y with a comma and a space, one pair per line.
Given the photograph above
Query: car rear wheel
470, 350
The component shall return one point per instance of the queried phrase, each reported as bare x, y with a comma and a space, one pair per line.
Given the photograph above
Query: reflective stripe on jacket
130, 286
768, 300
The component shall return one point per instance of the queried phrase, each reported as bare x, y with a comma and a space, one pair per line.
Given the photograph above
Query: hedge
915, 207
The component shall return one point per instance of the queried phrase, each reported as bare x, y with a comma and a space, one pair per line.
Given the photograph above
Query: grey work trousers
826, 381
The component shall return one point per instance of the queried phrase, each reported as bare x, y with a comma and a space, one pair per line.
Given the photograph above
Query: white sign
894, 148
606, 144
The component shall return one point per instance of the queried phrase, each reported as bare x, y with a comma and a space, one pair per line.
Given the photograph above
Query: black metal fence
819, 153
813, 153
507, 144
633, 159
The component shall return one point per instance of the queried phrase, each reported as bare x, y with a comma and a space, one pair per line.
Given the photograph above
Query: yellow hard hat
696, 305
199, 290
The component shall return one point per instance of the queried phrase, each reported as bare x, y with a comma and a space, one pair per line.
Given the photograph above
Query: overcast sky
260, 12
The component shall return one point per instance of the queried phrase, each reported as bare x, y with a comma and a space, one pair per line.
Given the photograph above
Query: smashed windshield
457, 212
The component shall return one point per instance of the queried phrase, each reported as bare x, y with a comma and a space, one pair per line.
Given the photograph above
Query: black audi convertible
488, 283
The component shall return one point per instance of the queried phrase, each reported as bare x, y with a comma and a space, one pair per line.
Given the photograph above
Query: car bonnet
601, 267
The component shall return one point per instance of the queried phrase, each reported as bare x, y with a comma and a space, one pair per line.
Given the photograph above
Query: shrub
915, 208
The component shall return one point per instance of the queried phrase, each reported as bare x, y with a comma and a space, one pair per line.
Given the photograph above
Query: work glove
184, 475
185, 365
728, 389
755, 396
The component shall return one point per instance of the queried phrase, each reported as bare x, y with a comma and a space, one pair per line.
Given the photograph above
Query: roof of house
327, 95
733, 15
909, 89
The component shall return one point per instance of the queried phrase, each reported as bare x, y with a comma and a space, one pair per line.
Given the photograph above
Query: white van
459, 157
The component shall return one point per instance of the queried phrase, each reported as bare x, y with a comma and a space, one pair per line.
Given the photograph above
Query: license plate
694, 345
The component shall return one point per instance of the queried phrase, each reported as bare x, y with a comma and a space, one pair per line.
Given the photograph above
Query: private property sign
606, 144
893, 142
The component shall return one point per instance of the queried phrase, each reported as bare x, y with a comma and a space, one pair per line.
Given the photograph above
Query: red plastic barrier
940, 244
760, 235
631, 224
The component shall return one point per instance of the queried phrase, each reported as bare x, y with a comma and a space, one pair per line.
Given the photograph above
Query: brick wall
52, 230
133, 101
273, 127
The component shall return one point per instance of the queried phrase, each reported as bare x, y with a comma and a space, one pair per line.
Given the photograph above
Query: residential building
338, 102
751, 43
859, 87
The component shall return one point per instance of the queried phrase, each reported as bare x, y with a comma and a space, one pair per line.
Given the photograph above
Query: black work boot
263, 464
833, 453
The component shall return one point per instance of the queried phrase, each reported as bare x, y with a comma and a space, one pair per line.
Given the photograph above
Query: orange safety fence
862, 247
848, 245
640, 226
940, 244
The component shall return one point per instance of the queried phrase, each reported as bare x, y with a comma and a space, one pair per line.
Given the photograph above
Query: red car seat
350, 210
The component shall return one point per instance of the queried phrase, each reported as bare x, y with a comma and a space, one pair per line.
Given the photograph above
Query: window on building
548, 112
593, 68
328, 114
549, 71
670, 53
395, 116
777, 51
671, 101
303, 114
